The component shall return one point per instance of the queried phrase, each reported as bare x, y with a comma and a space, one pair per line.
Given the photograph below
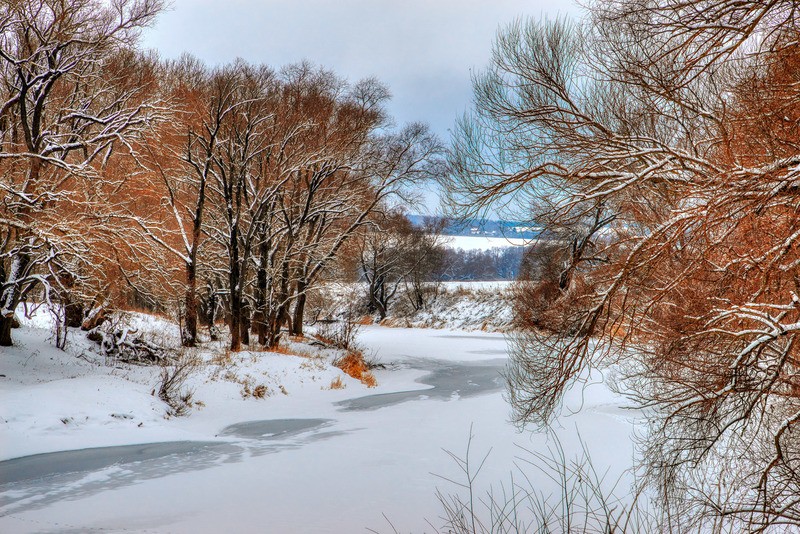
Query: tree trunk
262, 328
272, 329
244, 324
234, 326
235, 315
286, 318
274, 338
73, 313
299, 309
10, 297
380, 297
189, 333
235, 283
5, 331
212, 315
280, 316
72, 309
260, 315
257, 327
277, 319
372, 305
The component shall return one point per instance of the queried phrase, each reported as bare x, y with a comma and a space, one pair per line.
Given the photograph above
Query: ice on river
316, 460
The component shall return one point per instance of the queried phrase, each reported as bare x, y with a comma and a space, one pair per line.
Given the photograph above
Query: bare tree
242, 191
679, 120
64, 112
385, 169
382, 260
425, 260
179, 158
395, 255
348, 170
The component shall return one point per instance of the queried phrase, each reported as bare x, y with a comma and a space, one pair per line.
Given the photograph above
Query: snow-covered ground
484, 305
313, 459
461, 286
479, 242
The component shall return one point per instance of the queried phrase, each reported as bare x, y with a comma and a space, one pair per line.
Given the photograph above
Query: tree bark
280, 316
244, 324
189, 333
5, 331
235, 316
212, 314
260, 315
73, 313
273, 329
11, 297
379, 300
235, 328
299, 309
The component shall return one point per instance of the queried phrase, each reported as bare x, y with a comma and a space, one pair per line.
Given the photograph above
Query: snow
483, 305
347, 474
473, 286
470, 242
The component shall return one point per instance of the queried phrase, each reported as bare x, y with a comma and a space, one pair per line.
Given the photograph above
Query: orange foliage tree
67, 108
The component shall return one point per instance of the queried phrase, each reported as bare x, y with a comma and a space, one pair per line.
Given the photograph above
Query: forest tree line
129, 180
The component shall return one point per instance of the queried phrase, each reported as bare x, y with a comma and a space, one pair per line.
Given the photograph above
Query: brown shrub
354, 364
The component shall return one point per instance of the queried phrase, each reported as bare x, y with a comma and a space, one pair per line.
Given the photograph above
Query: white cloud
423, 49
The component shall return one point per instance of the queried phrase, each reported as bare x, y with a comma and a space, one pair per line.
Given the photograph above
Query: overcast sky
423, 50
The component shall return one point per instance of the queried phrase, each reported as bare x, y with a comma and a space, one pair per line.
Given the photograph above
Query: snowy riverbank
311, 460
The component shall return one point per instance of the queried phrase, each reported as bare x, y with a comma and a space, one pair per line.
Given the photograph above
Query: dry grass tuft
369, 380
337, 383
352, 364
250, 389
325, 339
281, 349
223, 358
289, 351
171, 389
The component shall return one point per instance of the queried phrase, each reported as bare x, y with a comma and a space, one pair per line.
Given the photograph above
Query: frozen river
322, 466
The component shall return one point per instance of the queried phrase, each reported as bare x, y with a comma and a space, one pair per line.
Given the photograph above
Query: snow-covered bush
119, 339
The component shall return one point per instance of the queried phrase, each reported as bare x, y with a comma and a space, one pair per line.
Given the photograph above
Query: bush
171, 389
584, 502
338, 334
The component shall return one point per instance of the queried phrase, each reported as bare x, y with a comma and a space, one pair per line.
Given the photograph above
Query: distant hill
480, 227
